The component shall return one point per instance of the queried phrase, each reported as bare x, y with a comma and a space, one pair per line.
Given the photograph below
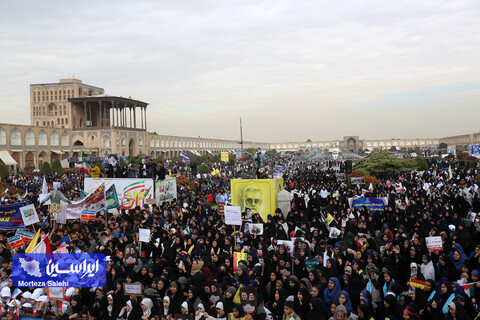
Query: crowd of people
187, 269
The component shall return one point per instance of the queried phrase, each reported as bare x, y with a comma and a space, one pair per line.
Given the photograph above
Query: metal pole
241, 136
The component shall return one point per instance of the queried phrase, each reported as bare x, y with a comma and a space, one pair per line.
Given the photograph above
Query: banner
357, 180
86, 208
259, 194
11, 217
15, 242
372, 204
233, 215
224, 156
256, 228
238, 256
311, 264
111, 198
281, 169
95, 201
289, 245
416, 283
26, 236
185, 157
113, 159
434, 243
451, 150
29, 215
165, 190
238, 153
131, 192
475, 150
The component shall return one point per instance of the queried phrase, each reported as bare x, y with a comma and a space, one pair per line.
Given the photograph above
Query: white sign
29, 215
256, 228
165, 190
434, 243
233, 215
41, 197
144, 235
131, 192
289, 245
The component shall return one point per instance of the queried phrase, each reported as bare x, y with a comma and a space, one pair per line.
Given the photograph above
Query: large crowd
186, 269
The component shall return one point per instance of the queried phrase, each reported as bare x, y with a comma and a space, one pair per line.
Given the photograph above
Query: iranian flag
406, 200
43, 246
186, 232
469, 288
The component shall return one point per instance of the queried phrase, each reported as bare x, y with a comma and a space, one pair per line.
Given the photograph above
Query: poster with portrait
248, 299
289, 245
130, 254
259, 195
113, 159
256, 228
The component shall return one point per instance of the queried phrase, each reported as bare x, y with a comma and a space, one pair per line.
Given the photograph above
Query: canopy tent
7, 158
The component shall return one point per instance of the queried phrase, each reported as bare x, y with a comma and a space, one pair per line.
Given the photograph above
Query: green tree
161, 160
202, 169
384, 162
122, 162
57, 166
393, 148
443, 145
271, 153
100, 165
45, 168
421, 163
3, 171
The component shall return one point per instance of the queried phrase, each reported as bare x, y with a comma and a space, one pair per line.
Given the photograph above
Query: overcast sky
293, 70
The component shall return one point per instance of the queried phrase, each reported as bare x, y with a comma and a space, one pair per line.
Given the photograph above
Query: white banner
165, 190
233, 215
29, 214
434, 243
131, 192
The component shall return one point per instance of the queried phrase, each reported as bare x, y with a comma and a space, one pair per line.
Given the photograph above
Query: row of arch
30, 140
303, 145
400, 143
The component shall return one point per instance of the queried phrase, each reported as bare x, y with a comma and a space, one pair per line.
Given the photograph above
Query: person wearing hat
5, 299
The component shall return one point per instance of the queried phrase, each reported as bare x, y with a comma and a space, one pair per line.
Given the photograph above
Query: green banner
112, 198
311, 264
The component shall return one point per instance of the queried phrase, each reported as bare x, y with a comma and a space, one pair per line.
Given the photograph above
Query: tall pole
241, 136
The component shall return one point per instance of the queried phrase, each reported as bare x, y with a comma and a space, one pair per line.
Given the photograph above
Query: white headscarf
165, 311
129, 303
147, 302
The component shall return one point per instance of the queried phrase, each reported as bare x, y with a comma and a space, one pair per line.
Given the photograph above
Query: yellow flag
329, 218
33, 243
236, 299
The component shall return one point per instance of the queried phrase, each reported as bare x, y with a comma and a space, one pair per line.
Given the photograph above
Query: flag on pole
33, 243
370, 187
186, 231
43, 246
111, 198
469, 288
450, 174
44, 186
406, 200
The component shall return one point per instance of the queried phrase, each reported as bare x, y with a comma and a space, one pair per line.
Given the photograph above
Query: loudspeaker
348, 166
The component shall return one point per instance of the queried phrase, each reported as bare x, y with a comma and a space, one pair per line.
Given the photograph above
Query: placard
221, 208
26, 236
357, 180
132, 289
248, 299
434, 243
288, 244
233, 215
144, 235
55, 293
237, 257
15, 242
130, 254
256, 228
311, 264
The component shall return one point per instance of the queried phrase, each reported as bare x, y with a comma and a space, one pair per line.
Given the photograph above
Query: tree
122, 162
57, 166
421, 163
393, 148
443, 145
385, 162
45, 168
161, 160
202, 169
3, 171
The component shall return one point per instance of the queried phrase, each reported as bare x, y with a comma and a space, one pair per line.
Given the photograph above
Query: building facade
73, 119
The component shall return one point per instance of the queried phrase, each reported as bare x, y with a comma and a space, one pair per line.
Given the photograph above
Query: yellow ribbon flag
236, 299
33, 243
329, 219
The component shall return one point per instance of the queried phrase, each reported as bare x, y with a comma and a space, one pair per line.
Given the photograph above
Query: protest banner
131, 192
311, 264
224, 156
111, 198
131, 254
11, 216
87, 215
132, 289
372, 204
113, 159
357, 180
87, 207
95, 201
15, 242
221, 208
237, 257
144, 235
340, 176
289, 245
56, 293
248, 299
256, 228
165, 190
238, 153
26, 236
475, 150
29, 214
434, 243
233, 215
